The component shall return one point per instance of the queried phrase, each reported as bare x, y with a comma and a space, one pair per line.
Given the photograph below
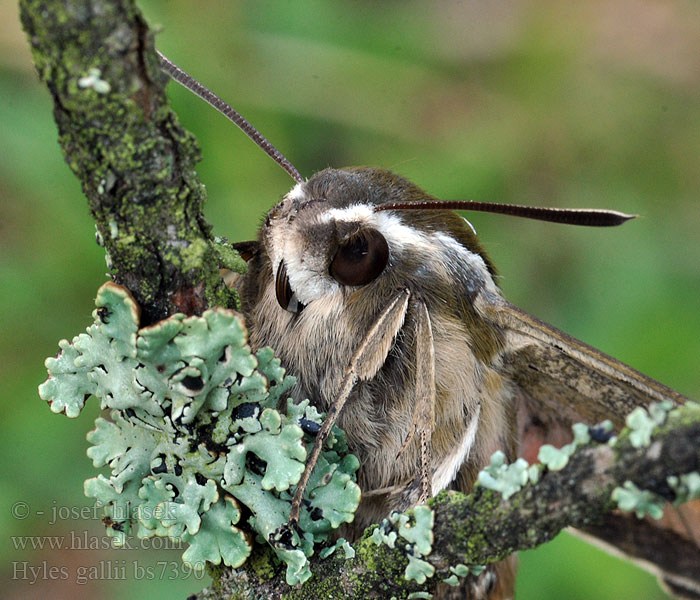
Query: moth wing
574, 380
562, 381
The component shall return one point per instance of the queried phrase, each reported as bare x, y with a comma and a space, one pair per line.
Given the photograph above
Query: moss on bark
135, 161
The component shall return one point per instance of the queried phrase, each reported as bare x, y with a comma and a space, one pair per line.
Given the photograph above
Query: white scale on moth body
380, 299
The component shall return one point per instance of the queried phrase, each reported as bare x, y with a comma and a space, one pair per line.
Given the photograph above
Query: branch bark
135, 161
483, 527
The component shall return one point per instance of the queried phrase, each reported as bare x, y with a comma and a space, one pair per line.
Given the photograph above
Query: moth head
327, 237
339, 231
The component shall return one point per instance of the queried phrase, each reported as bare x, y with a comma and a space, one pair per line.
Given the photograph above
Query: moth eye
361, 260
286, 297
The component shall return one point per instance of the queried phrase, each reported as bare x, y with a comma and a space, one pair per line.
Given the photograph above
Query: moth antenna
229, 112
591, 217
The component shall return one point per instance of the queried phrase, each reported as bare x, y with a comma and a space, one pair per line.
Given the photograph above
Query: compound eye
361, 259
286, 297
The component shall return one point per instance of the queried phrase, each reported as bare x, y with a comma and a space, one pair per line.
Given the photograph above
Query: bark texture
135, 161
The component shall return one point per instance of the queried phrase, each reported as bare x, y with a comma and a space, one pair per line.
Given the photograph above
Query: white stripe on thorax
447, 471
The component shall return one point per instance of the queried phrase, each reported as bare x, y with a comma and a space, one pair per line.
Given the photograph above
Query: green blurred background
563, 104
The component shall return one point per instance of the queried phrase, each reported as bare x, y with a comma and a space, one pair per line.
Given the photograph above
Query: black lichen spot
194, 384
309, 427
203, 436
161, 468
103, 314
116, 525
255, 464
282, 538
161, 368
245, 411
599, 434
665, 491
316, 514
178, 469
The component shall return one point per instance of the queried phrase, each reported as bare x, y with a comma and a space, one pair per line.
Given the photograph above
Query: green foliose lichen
643, 502
199, 428
416, 528
642, 422
460, 571
418, 570
342, 543
384, 535
419, 596
504, 478
686, 487
420, 534
553, 458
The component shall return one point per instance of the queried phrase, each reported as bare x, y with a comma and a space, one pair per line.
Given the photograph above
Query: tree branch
483, 527
135, 162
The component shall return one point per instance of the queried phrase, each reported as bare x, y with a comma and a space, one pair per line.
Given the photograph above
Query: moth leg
424, 338
424, 415
364, 364
424, 410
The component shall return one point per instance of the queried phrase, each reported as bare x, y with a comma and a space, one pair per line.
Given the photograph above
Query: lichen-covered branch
135, 161
483, 527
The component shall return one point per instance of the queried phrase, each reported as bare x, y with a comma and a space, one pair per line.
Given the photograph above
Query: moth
382, 302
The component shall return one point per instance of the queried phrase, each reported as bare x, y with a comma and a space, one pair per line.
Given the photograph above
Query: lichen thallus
377, 295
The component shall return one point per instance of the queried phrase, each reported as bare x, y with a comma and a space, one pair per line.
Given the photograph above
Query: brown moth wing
574, 380
563, 381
